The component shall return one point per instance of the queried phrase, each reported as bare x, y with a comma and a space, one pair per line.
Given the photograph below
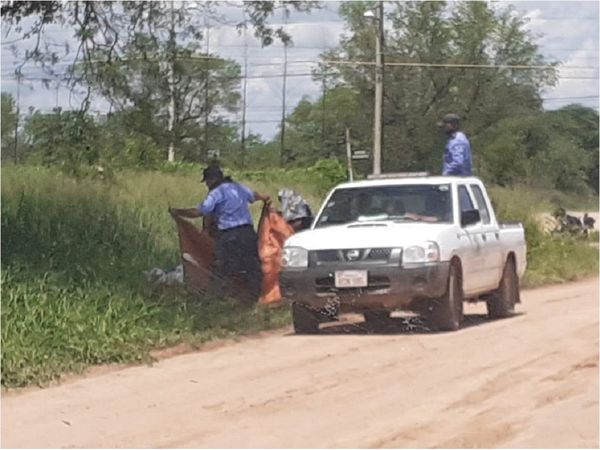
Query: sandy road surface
531, 380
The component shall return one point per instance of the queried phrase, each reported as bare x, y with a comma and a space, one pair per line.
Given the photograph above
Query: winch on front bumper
389, 285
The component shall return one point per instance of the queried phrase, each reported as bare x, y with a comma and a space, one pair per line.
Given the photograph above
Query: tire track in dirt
531, 380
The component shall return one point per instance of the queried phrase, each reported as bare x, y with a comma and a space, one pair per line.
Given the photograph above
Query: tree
171, 93
415, 97
315, 129
113, 35
580, 124
107, 27
65, 138
9, 121
544, 150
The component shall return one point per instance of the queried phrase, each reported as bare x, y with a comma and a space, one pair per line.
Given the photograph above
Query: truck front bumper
388, 287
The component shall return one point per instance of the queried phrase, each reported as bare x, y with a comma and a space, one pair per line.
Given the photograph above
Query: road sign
360, 154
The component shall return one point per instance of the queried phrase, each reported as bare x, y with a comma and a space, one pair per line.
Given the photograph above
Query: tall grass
74, 252
73, 256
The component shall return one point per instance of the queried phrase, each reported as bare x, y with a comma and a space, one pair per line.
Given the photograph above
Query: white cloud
576, 85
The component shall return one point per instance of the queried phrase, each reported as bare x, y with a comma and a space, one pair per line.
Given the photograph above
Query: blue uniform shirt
457, 156
229, 202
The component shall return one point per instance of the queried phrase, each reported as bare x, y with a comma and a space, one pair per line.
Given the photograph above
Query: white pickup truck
422, 244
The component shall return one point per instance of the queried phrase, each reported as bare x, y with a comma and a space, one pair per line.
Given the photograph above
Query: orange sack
198, 252
273, 230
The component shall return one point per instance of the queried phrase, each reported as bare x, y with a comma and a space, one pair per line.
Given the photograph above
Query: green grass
73, 256
74, 252
560, 259
529, 200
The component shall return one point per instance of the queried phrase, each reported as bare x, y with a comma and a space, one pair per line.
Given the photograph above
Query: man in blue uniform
457, 154
237, 242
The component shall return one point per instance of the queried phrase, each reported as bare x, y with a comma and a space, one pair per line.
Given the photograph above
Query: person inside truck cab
436, 210
395, 208
363, 205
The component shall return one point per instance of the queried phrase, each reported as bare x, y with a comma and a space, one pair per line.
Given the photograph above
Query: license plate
351, 278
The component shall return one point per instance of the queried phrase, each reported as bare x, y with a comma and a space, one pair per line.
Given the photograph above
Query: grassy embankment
74, 252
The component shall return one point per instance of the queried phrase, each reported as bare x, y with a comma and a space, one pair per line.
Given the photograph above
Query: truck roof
408, 180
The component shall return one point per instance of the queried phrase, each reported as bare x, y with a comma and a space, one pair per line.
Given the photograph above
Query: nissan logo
352, 255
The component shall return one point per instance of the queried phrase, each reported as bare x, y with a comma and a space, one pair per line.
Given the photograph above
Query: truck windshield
401, 203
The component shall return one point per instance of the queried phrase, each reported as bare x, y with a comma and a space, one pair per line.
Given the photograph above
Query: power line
280, 75
571, 98
563, 18
460, 66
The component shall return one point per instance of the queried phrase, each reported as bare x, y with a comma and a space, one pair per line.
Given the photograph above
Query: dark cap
212, 172
449, 118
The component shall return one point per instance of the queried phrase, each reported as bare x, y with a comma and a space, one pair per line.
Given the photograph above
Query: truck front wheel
446, 313
305, 319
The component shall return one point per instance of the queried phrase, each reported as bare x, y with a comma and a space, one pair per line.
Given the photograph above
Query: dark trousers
238, 267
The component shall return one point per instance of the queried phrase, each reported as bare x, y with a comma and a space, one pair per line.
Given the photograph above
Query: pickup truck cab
417, 243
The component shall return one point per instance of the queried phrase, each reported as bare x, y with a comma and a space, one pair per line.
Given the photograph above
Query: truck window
427, 203
481, 204
464, 199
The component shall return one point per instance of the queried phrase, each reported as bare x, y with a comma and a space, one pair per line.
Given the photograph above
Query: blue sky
567, 32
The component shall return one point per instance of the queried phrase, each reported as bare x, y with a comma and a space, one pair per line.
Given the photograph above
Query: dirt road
531, 380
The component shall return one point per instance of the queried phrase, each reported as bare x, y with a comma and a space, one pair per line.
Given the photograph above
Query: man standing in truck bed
457, 154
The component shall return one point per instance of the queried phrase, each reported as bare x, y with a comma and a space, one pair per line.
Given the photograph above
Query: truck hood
368, 235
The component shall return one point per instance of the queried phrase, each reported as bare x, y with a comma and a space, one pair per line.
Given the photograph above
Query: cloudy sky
567, 30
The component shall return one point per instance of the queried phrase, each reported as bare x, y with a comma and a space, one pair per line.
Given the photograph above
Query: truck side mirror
469, 217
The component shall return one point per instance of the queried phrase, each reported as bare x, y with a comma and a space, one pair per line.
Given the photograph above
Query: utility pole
245, 89
323, 92
282, 145
349, 155
378, 121
16, 149
204, 157
56, 102
171, 81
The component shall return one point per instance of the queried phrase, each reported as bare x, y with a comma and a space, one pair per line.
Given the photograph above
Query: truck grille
352, 255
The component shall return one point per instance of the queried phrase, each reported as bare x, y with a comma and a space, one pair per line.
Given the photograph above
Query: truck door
490, 234
471, 243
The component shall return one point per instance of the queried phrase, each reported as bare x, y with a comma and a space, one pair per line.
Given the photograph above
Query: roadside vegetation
85, 197
552, 258
74, 251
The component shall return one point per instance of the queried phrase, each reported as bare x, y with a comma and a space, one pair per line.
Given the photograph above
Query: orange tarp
198, 252
273, 230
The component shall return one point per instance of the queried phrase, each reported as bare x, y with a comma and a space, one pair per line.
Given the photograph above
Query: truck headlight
294, 257
423, 253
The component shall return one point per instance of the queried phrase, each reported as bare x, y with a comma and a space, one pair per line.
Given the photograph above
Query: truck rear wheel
305, 319
501, 303
447, 312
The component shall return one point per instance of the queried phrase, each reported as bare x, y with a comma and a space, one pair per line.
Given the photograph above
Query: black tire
377, 317
447, 312
501, 303
305, 319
